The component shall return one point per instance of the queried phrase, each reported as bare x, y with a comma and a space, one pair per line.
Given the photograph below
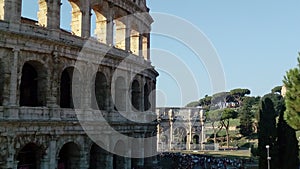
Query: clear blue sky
256, 41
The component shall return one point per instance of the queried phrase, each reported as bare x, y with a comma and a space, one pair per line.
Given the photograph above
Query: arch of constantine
39, 128
180, 129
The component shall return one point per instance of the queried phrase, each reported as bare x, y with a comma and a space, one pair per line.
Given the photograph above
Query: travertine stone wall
37, 61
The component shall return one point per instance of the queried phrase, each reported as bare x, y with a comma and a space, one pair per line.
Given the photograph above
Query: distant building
283, 91
180, 128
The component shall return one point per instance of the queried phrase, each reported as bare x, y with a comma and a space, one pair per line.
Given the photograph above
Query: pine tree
292, 98
246, 118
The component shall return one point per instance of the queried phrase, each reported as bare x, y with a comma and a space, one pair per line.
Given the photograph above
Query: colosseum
64, 94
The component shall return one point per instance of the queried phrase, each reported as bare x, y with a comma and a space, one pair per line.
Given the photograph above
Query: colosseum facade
49, 77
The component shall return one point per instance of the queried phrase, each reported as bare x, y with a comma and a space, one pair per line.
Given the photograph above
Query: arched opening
33, 87
180, 137
134, 41
2, 12
135, 95
29, 11
196, 139
120, 29
76, 23
66, 83
100, 92
69, 156
147, 104
98, 157
145, 46
29, 157
99, 23
1, 82
120, 34
120, 94
93, 25
164, 142
66, 17
118, 160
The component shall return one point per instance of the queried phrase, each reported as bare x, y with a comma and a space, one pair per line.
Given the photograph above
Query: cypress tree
287, 145
267, 134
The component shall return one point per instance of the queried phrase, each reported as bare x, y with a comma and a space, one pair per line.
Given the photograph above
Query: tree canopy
238, 94
292, 97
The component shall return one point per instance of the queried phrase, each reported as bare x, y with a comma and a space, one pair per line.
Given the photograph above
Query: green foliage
287, 145
267, 133
227, 114
277, 101
219, 100
292, 98
205, 102
214, 116
193, 104
277, 89
246, 117
238, 94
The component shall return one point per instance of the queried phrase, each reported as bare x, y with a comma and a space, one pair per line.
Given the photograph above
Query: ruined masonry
46, 73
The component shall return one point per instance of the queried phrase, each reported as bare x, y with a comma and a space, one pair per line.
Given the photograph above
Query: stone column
12, 10
52, 153
190, 139
171, 134
86, 20
50, 14
52, 96
110, 25
84, 160
127, 33
11, 163
12, 111
45, 163
109, 161
141, 45
14, 78
127, 162
142, 95
148, 45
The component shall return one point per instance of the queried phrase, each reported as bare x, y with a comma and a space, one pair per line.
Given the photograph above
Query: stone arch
118, 159
101, 27
76, 19
66, 18
30, 156
180, 136
136, 95
134, 38
69, 156
100, 91
120, 94
29, 16
70, 78
98, 157
33, 87
119, 29
165, 139
196, 139
145, 45
147, 103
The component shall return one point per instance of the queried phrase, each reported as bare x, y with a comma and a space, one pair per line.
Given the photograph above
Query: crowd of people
196, 161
